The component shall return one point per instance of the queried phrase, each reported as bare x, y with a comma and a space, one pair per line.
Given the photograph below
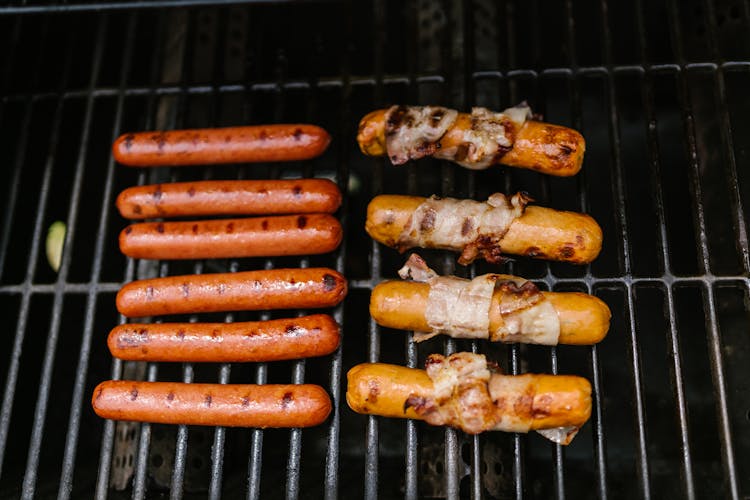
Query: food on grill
256, 197
474, 140
54, 244
228, 405
307, 234
496, 307
273, 340
313, 287
249, 144
501, 225
462, 391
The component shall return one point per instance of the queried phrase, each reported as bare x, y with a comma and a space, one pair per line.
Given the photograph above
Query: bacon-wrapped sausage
501, 225
496, 307
462, 391
474, 140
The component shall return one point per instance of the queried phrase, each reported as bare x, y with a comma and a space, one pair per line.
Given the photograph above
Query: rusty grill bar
658, 91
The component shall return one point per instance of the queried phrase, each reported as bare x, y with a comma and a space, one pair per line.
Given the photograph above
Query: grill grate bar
256, 441
180, 452
217, 450
144, 441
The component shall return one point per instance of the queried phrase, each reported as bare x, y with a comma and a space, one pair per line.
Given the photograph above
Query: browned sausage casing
313, 287
255, 197
308, 234
228, 405
273, 340
249, 144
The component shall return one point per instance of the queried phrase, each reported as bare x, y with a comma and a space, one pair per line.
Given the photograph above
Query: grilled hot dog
249, 290
307, 234
273, 340
228, 405
255, 197
249, 144
475, 140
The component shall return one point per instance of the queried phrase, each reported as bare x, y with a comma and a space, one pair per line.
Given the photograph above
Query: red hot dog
249, 144
273, 340
255, 197
313, 287
308, 234
229, 405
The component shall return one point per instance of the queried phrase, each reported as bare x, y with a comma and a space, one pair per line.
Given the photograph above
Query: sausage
540, 233
313, 287
584, 319
272, 340
248, 144
228, 405
308, 234
543, 147
255, 197
546, 401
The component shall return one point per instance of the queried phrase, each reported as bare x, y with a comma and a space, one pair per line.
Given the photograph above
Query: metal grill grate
658, 90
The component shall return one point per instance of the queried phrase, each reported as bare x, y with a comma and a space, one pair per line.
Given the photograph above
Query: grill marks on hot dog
249, 144
249, 290
257, 341
254, 197
229, 405
309, 234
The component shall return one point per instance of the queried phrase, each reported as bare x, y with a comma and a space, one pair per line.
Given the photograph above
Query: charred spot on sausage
286, 400
136, 209
567, 251
565, 151
230, 228
181, 334
329, 282
195, 228
467, 226
428, 220
128, 229
263, 135
245, 401
191, 191
373, 391
157, 193
149, 292
301, 221
129, 141
293, 330
185, 290
170, 396
160, 228
297, 191
208, 400
264, 224
297, 134
533, 252
134, 394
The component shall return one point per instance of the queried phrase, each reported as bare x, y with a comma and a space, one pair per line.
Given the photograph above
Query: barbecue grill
659, 90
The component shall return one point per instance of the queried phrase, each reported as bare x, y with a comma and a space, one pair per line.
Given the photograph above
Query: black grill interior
659, 90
